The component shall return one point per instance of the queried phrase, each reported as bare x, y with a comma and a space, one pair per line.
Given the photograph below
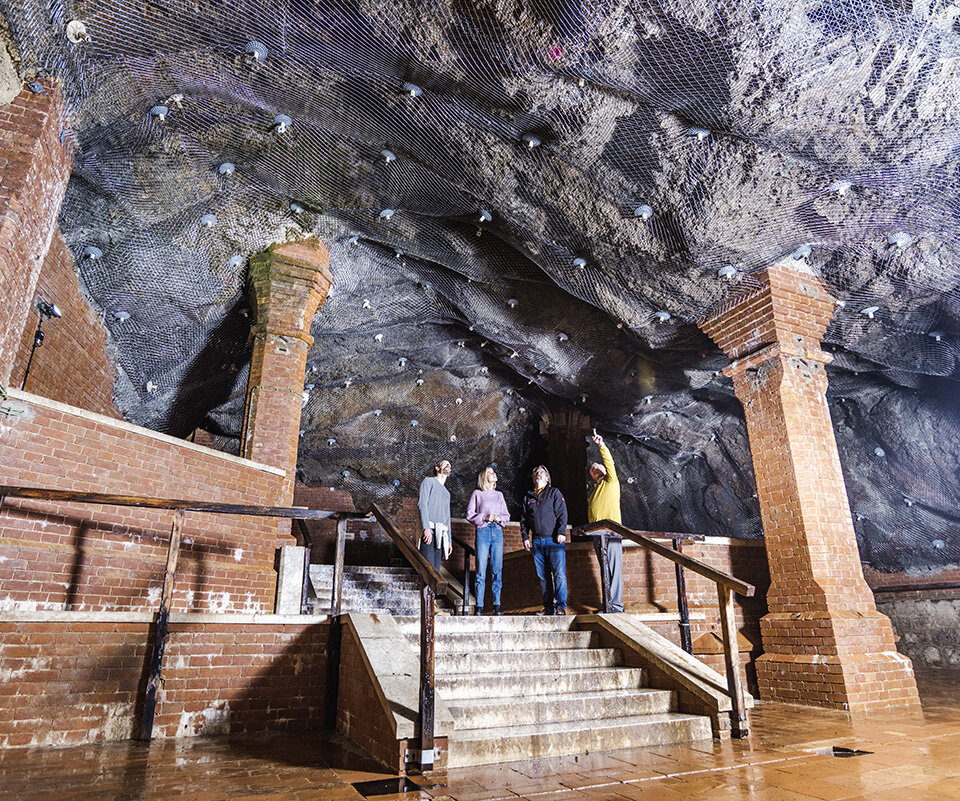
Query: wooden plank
69, 496
336, 599
466, 583
605, 573
305, 584
425, 717
333, 671
160, 634
717, 576
731, 660
685, 640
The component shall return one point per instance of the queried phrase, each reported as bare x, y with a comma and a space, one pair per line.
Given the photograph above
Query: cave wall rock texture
528, 202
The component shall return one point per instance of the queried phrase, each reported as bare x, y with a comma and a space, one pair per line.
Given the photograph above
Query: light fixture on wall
46, 311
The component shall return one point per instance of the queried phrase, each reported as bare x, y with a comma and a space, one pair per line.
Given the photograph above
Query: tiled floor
787, 758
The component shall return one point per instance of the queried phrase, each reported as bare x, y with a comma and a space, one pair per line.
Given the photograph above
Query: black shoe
478, 611
496, 609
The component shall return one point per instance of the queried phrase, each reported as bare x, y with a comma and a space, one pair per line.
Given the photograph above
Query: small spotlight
281, 122
531, 141
48, 310
256, 51
412, 89
388, 156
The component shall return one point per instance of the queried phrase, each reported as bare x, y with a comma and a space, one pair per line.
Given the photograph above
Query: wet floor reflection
793, 754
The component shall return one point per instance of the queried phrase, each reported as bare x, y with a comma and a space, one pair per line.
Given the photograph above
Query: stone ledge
93, 417
176, 618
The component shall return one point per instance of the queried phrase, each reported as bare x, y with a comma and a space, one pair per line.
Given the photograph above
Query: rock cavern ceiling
528, 203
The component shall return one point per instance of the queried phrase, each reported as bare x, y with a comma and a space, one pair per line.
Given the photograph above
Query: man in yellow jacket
604, 504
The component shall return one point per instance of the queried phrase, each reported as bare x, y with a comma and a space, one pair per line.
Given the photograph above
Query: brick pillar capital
787, 313
290, 282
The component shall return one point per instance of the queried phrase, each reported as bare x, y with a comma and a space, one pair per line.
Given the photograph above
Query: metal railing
727, 585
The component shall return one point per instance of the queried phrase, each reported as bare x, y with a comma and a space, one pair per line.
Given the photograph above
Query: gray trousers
614, 569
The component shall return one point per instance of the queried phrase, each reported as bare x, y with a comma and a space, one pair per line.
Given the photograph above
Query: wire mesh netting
527, 201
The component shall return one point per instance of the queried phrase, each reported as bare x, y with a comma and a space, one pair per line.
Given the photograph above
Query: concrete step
510, 743
526, 661
456, 686
494, 712
512, 641
483, 623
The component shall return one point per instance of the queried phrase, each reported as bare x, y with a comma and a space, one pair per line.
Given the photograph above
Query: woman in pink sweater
487, 510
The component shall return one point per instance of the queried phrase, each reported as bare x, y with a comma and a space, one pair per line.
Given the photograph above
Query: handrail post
684, 611
160, 638
605, 573
307, 558
731, 658
466, 583
425, 715
336, 600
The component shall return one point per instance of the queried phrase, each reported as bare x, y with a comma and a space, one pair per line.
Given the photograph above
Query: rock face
523, 201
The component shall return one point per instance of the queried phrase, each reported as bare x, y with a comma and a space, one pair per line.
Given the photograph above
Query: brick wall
84, 557
34, 169
69, 681
72, 364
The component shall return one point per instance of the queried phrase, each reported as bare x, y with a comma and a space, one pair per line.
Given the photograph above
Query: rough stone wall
73, 681
927, 623
73, 365
34, 169
79, 556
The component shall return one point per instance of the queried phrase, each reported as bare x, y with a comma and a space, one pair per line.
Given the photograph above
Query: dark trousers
550, 559
433, 552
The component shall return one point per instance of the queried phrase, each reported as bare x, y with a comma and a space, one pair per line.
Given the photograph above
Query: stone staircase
367, 588
522, 687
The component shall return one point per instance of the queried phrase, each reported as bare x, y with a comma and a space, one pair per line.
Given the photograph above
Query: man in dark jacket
543, 526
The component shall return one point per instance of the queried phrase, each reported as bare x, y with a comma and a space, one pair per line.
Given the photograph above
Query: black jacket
544, 515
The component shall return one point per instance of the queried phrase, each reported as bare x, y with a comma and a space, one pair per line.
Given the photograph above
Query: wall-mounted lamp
46, 311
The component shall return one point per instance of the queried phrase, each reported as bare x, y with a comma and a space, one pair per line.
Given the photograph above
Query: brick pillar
824, 642
289, 283
566, 432
34, 170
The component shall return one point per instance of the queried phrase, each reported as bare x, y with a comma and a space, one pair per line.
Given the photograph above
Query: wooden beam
160, 635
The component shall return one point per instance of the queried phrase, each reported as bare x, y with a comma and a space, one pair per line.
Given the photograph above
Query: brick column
289, 284
824, 642
34, 170
566, 433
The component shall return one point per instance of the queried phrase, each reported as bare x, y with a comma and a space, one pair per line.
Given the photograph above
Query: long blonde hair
484, 483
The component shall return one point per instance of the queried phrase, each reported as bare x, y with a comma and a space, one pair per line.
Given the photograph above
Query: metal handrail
727, 585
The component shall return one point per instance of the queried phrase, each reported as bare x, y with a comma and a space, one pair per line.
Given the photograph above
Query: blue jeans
489, 547
550, 559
